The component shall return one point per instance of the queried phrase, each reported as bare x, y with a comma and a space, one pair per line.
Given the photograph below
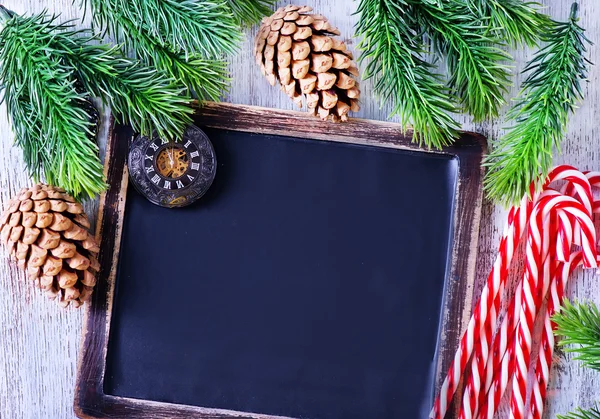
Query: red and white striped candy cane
559, 282
501, 366
513, 232
517, 219
502, 362
544, 362
531, 295
485, 362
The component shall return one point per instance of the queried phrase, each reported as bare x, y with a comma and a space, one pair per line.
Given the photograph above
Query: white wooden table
39, 342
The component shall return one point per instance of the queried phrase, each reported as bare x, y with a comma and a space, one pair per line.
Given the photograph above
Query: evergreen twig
48, 70
580, 326
140, 96
593, 413
205, 27
49, 120
249, 12
475, 58
186, 39
516, 21
548, 96
393, 47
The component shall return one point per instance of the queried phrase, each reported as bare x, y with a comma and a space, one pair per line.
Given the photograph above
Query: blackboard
320, 277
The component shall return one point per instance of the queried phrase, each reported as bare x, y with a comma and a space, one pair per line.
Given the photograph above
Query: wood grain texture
39, 342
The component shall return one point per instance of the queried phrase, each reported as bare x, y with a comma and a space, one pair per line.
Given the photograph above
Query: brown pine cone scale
297, 49
46, 232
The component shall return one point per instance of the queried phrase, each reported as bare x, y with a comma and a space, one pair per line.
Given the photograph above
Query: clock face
172, 174
172, 165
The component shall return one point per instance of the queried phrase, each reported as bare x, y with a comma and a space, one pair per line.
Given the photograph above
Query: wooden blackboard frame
90, 399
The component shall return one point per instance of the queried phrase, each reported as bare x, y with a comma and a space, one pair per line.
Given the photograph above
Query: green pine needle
592, 413
206, 27
516, 21
548, 96
475, 58
249, 12
49, 116
580, 326
394, 48
185, 39
140, 96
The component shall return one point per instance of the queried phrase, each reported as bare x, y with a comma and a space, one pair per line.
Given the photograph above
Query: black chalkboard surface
309, 282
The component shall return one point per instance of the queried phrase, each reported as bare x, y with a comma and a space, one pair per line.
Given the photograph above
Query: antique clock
172, 174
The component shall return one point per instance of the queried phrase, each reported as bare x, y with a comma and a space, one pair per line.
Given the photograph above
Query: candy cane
556, 293
532, 300
537, 264
496, 280
513, 231
559, 283
481, 356
500, 367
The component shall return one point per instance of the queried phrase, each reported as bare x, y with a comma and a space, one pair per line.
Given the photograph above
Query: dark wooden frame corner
90, 399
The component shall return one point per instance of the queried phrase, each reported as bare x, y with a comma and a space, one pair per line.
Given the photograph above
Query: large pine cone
298, 49
46, 232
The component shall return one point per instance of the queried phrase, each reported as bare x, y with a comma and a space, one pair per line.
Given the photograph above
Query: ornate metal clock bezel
171, 198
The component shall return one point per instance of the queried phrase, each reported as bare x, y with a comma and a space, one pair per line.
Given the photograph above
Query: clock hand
170, 153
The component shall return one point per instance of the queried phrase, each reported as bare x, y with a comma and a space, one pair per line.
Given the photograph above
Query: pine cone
297, 49
46, 232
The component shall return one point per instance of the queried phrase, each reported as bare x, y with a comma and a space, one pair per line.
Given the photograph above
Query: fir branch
580, 326
548, 96
516, 21
48, 114
393, 48
592, 413
206, 27
204, 77
139, 96
474, 58
249, 12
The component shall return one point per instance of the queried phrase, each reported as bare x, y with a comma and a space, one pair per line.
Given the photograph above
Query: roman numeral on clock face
194, 154
167, 184
153, 146
179, 184
163, 141
196, 166
189, 143
148, 157
191, 178
149, 169
156, 179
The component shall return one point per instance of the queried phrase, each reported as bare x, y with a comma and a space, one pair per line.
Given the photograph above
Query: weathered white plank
39, 342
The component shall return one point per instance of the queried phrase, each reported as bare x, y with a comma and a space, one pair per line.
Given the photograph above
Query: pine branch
477, 75
516, 21
393, 48
49, 116
548, 96
206, 27
592, 413
249, 12
580, 326
140, 96
204, 77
